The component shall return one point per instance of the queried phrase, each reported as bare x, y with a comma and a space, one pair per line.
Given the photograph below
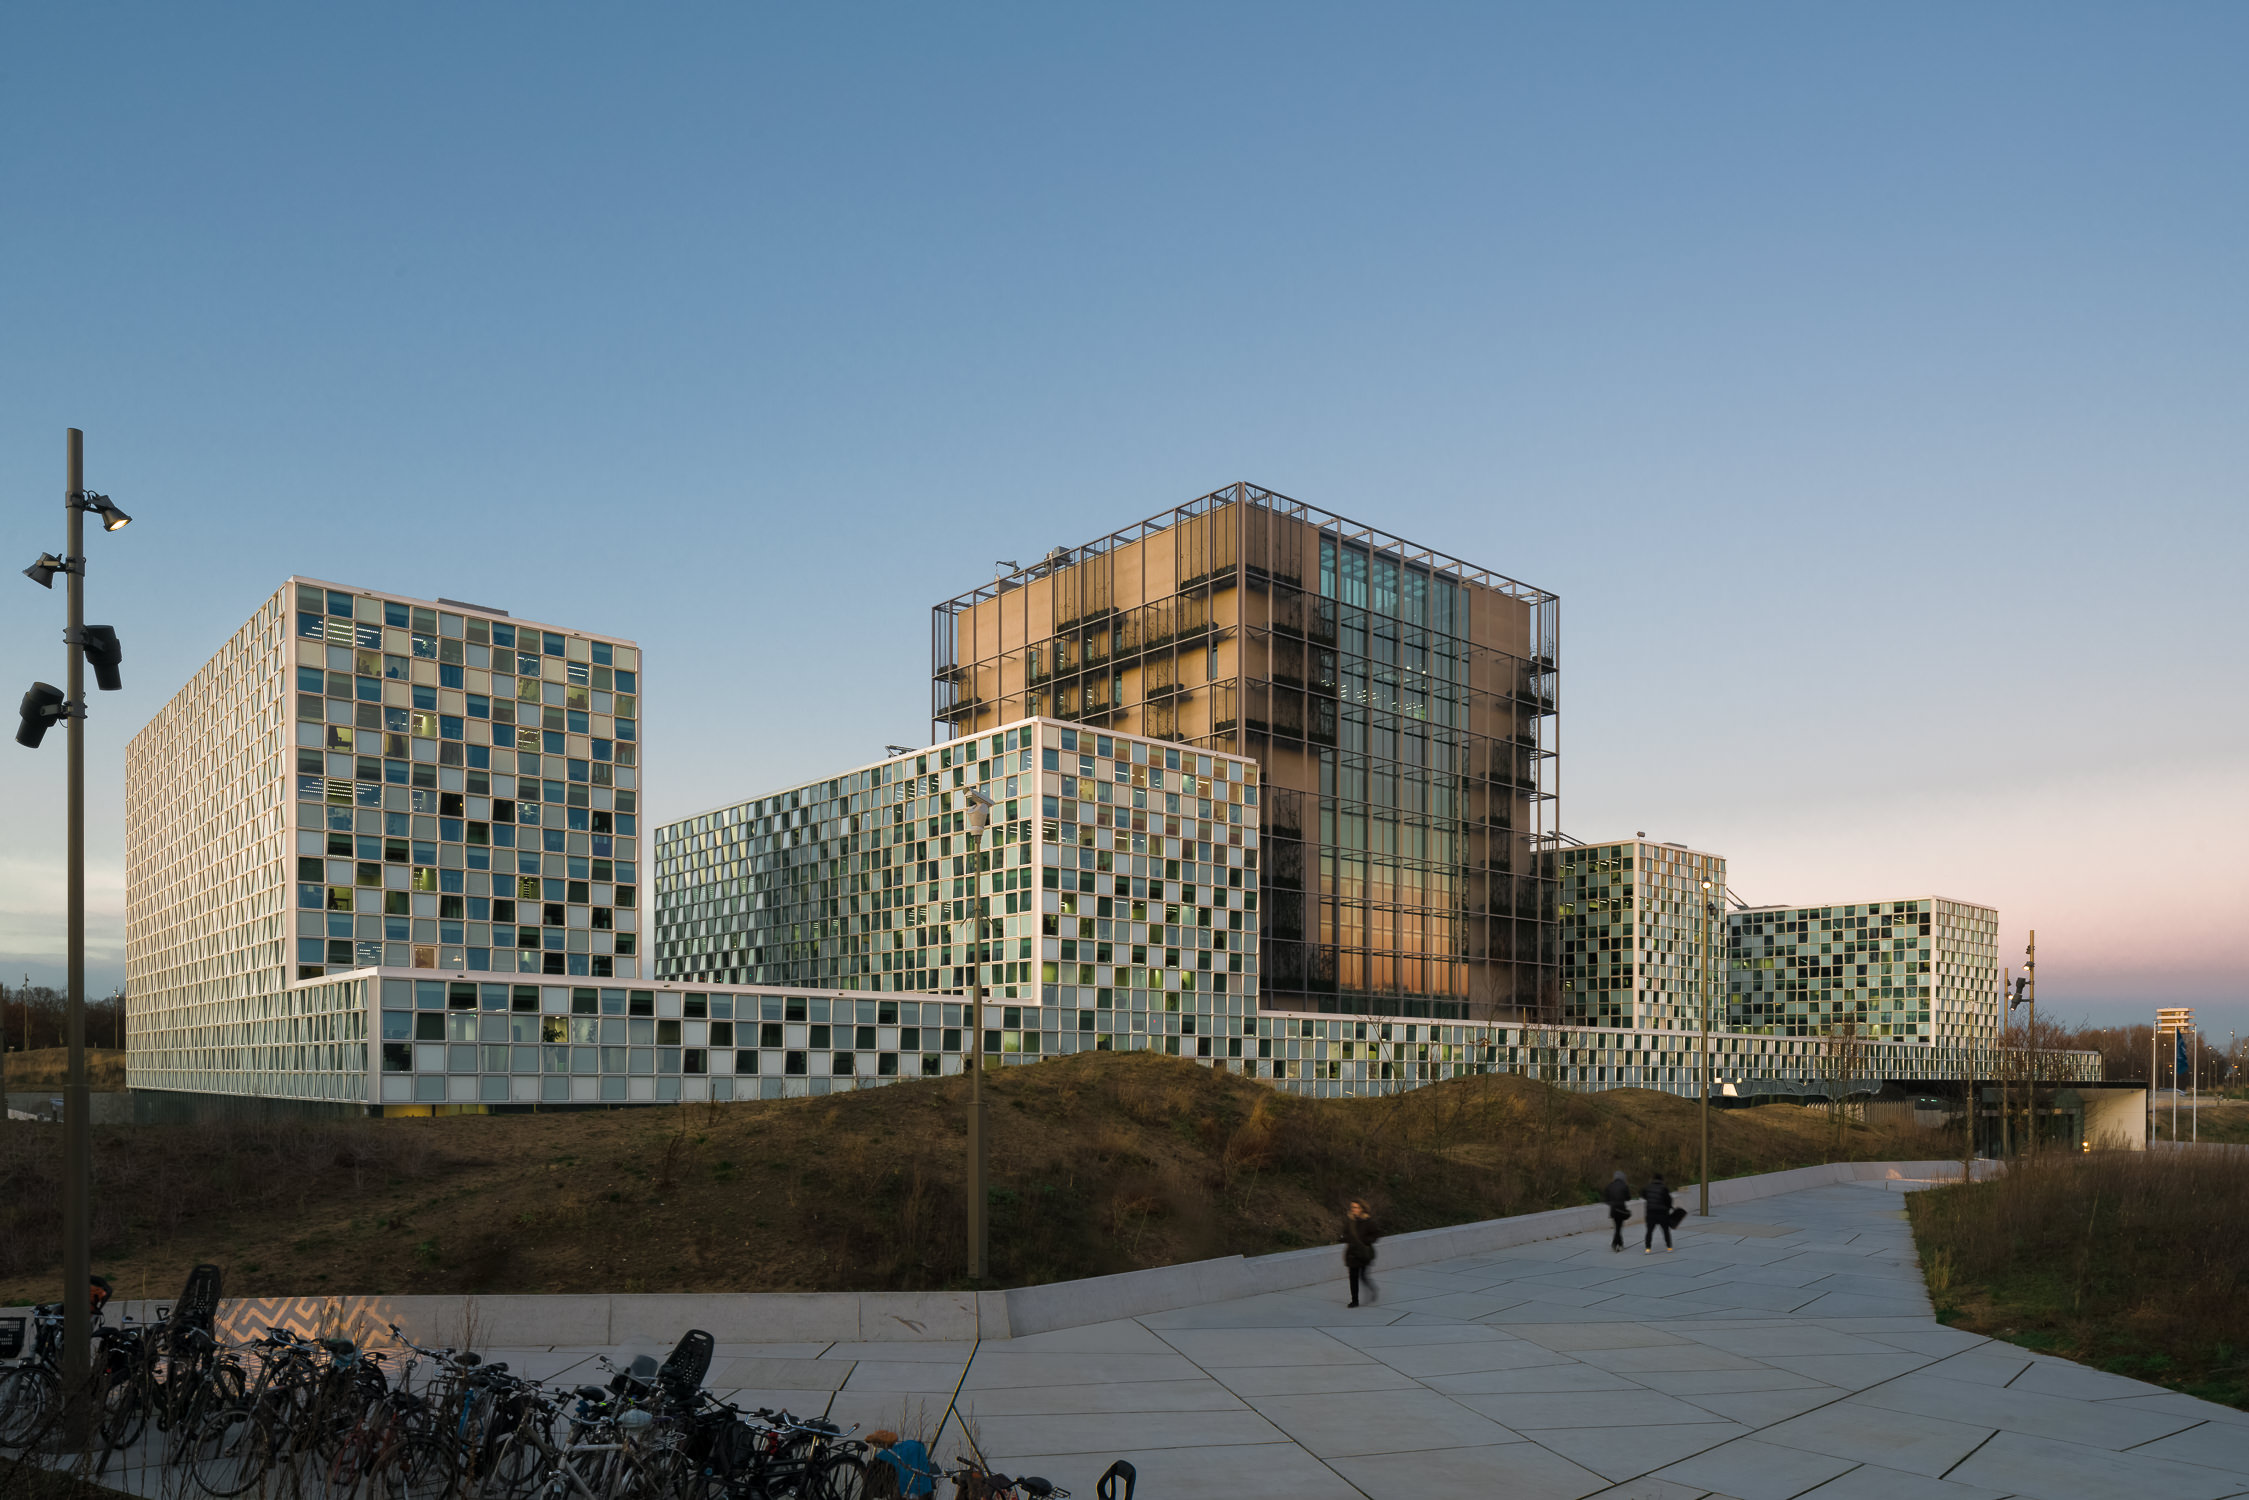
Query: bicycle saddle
590, 1393
1033, 1485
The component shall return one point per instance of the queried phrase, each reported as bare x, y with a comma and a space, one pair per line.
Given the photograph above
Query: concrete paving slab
997, 1365
1268, 1380
2091, 1424
1226, 1348
2043, 1469
1898, 1440
1334, 1426
1563, 1375
1747, 1469
1423, 1360
936, 1351
1551, 1295
786, 1374
1750, 1377
1990, 1363
1616, 1409
1784, 1338
1871, 1482
1648, 1487
1125, 1336
1394, 1334
1628, 1452
2214, 1445
1939, 1342
2059, 1377
1680, 1356
810, 1349
1851, 1371
901, 1375
1202, 1394
1271, 1310
1521, 1471
1200, 1473
2184, 1405
1763, 1408
1855, 1305
1464, 1304
1570, 1338
1114, 1431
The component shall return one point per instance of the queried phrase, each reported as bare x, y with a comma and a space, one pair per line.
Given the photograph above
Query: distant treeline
31, 1017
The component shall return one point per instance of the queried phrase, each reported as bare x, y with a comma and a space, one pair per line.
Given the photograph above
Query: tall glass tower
1401, 703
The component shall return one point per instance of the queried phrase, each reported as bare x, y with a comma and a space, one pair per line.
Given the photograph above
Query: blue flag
2179, 1056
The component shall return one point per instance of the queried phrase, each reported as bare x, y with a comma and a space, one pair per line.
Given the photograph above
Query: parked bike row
282, 1414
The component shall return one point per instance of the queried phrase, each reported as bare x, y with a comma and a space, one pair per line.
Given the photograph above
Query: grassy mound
1101, 1162
47, 1067
2133, 1262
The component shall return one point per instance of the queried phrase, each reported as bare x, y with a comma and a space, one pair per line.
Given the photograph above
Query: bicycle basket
682, 1374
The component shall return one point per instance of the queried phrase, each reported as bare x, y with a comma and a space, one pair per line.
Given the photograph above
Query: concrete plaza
1784, 1349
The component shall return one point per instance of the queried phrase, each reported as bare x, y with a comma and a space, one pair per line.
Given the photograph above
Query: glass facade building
1111, 902
360, 779
1640, 948
1924, 971
1400, 703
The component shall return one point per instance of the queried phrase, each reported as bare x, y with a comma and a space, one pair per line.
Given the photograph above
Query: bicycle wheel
124, 1413
842, 1477
229, 1452
416, 1467
27, 1398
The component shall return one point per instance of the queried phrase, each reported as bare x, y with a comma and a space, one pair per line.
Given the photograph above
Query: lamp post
1712, 914
41, 706
979, 818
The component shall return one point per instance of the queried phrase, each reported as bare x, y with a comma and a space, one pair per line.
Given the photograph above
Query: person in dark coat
1359, 1234
1657, 1197
1619, 1196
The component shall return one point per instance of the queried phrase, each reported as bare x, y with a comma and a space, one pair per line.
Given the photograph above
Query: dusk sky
1869, 383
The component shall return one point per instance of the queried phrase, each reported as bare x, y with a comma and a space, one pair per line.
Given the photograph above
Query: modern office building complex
1924, 971
1643, 944
357, 780
1113, 898
1401, 704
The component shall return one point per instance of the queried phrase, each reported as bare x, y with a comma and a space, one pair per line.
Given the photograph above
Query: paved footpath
1784, 1350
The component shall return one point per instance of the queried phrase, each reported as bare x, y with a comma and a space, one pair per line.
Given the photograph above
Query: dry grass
48, 1067
2130, 1261
2222, 1122
1101, 1162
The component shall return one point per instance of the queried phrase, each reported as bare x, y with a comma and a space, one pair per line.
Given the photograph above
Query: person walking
1619, 1196
1657, 1197
1359, 1234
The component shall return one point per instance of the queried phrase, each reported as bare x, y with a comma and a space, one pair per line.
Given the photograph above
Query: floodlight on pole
112, 518
43, 703
103, 654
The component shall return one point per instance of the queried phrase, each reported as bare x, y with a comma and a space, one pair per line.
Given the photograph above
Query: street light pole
77, 1138
2030, 974
42, 705
1711, 914
979, 1198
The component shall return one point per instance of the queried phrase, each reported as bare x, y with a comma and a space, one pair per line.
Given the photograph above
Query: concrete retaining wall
657, 1319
